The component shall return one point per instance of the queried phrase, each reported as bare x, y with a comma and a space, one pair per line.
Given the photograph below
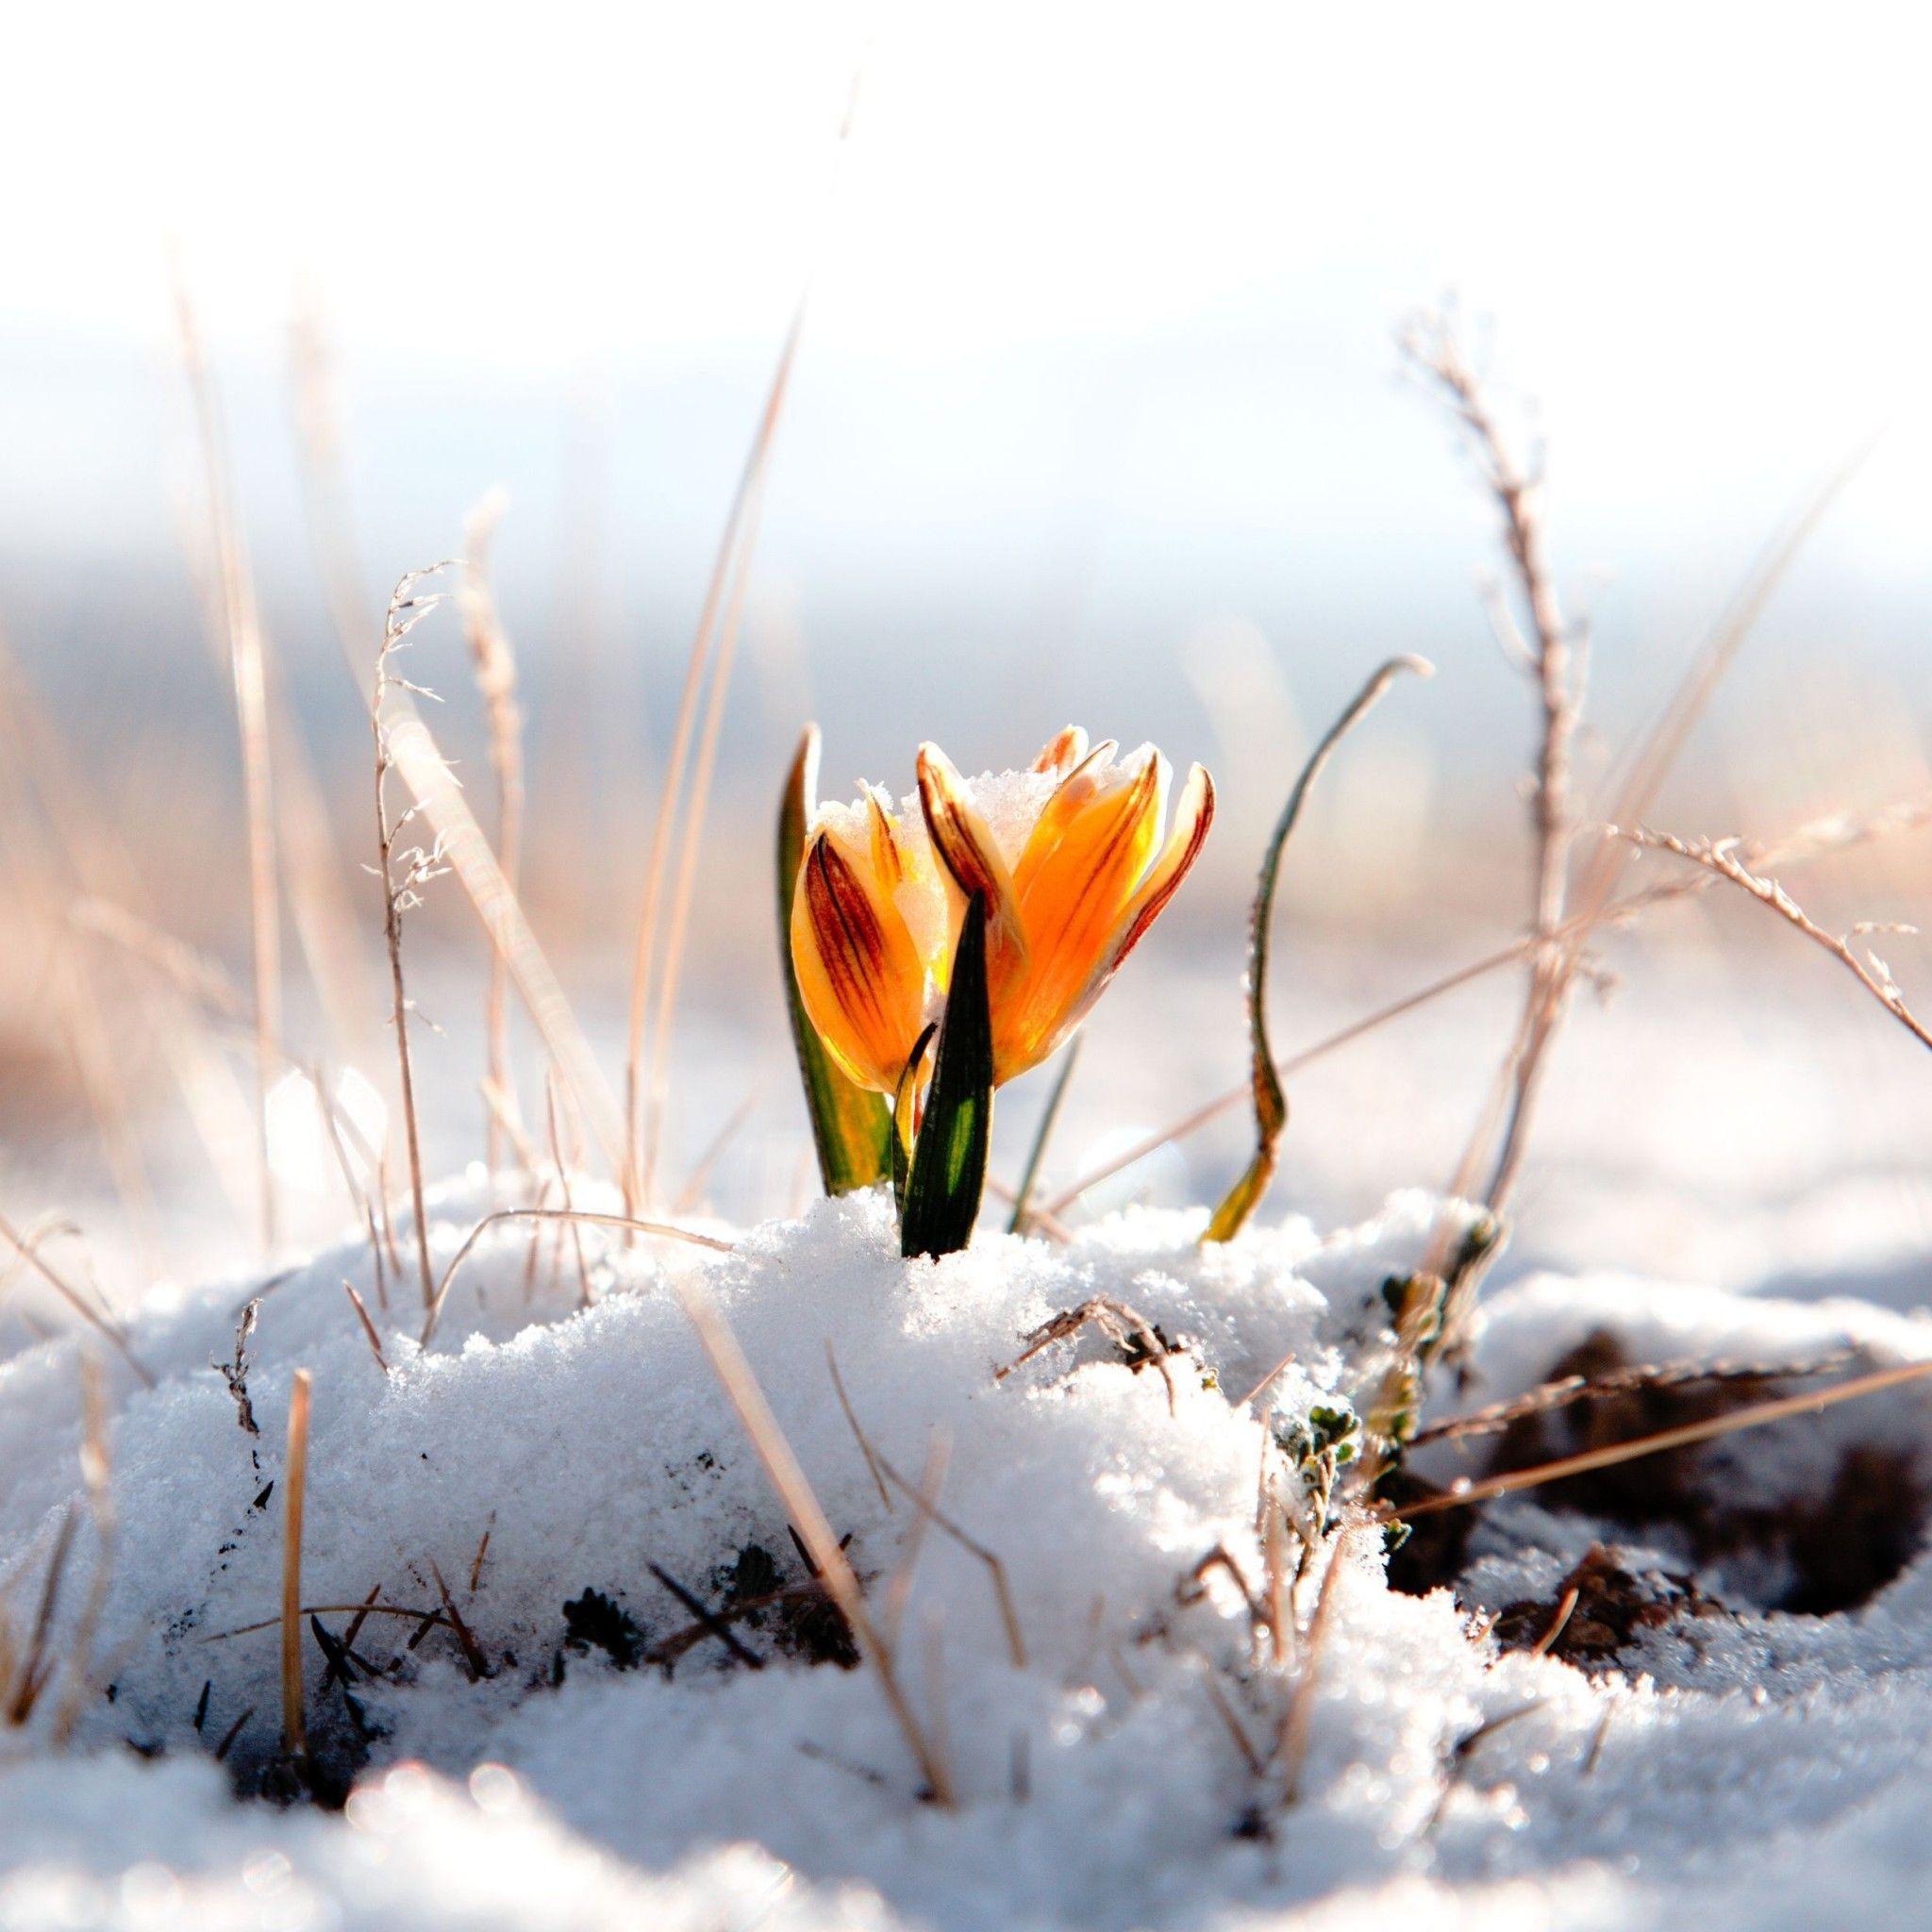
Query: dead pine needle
295, 1492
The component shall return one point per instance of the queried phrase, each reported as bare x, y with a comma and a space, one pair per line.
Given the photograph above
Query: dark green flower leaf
949, 1161
850, 1128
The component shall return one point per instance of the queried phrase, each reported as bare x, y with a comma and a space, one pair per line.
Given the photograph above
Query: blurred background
1097, 414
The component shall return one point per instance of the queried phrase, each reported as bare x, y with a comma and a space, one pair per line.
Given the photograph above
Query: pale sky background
1101, 345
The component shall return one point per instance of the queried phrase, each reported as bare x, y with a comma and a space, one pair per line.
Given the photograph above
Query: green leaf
949, 1162
1023, 1199
850, 1128
904, 1102
1270, 1098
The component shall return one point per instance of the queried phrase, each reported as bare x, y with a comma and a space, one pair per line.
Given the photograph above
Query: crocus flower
1074, 866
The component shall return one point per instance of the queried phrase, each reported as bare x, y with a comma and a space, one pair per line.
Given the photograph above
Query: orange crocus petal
971, 854
1081, 867
1193, 817
888, 863
1064, 752
860, 975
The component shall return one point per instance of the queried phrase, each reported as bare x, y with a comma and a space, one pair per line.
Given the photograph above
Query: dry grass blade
369, 1334
1023, 1196
932, 1480
740, 527
467, 853
795, 1493
693, 1190
29, 1253
1292, 1748
580, 1215
723, 593
31, 1678
295, 1494
242, 630
95, 1475
678, 927
1722, 859
496, 680
865, 1448
926, 1500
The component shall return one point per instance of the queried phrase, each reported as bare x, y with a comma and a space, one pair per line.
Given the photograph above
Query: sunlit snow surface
1759, 1769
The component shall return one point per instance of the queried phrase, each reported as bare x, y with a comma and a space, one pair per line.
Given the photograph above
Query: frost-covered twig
401, 890
1720, 857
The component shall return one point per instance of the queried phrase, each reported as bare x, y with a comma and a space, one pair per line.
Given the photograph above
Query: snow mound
535, 1726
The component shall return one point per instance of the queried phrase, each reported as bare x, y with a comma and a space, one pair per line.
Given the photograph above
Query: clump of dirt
1599, 1608
1833, 1548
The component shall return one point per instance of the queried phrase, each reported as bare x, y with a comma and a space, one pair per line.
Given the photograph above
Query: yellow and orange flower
1074, 868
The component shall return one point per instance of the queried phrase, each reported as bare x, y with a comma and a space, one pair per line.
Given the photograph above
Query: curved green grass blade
949, 1161
1270, 1097
850, 1128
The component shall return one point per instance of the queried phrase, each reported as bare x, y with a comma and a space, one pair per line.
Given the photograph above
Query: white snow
1751, 1769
